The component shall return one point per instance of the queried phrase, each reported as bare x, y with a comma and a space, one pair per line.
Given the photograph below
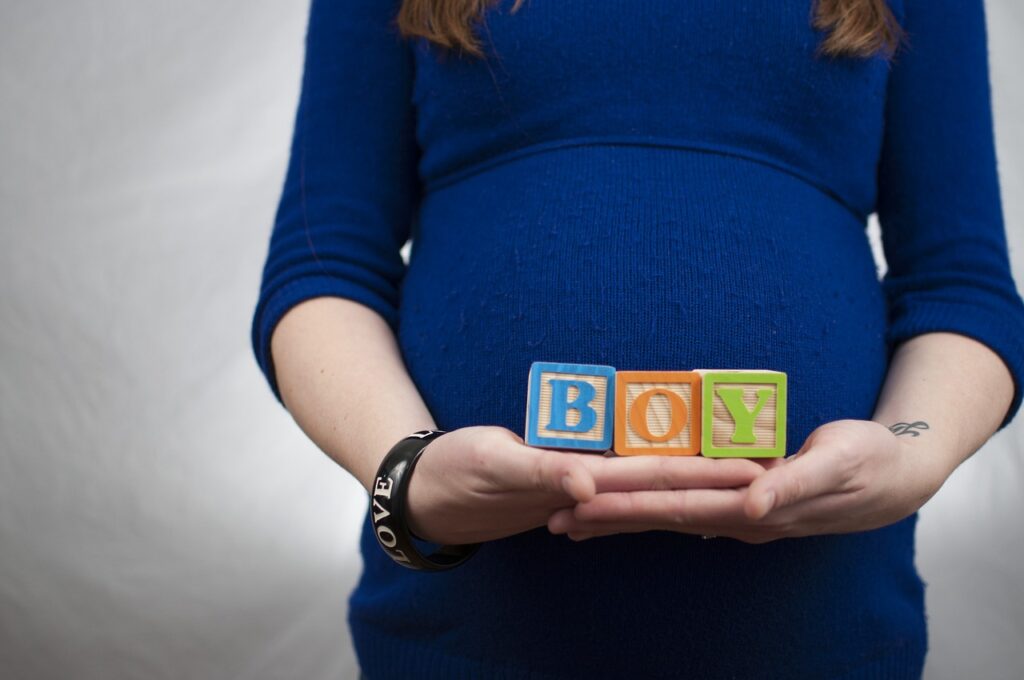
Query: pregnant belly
642, 258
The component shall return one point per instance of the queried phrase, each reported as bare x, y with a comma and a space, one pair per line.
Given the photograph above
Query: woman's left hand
850, 475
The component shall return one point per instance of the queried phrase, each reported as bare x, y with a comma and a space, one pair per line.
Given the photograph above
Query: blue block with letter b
570, 406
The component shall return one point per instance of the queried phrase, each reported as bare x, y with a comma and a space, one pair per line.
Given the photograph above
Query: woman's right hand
483, 483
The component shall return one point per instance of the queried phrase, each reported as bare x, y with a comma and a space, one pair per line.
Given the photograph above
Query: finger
677, 508
827, 514
513, 466
560, 521
648, 473
817, 469
564, 522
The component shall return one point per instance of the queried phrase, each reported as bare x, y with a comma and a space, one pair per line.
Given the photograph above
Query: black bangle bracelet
388, 508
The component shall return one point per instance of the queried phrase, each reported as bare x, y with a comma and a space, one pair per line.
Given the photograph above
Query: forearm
957, 387
342, 378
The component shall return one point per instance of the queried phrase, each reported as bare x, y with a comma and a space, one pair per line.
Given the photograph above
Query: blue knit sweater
650, 185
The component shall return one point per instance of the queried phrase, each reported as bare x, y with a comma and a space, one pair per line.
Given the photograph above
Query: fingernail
770, 502
566, 480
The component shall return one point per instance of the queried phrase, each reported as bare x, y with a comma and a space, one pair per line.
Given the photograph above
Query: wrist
380, 447
926, 466
413, 508
389, 508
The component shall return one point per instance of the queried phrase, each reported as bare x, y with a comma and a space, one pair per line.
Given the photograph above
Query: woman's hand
483, 483
850, 475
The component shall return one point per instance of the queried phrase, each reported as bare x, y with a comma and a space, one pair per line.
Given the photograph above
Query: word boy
717, 413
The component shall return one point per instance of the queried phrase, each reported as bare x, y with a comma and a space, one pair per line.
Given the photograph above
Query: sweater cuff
1000, 331
271, 308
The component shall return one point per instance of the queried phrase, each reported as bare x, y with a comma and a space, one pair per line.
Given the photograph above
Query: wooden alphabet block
570, 406
657, 412
744, 414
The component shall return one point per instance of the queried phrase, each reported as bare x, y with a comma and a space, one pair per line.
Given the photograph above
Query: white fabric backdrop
160, 515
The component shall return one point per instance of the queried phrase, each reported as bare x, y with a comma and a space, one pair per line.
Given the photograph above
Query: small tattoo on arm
908, 428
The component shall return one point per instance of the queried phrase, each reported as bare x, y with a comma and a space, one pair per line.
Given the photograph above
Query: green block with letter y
744, 414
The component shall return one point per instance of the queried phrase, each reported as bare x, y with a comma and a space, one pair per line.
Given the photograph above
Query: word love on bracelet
388, 508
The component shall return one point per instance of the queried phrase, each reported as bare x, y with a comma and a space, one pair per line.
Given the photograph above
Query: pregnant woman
656, 185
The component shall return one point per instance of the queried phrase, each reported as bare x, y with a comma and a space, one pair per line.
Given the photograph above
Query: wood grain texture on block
570, 406
657, 412
744, 413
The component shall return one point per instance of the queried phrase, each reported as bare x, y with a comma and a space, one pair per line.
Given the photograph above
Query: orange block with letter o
657, 412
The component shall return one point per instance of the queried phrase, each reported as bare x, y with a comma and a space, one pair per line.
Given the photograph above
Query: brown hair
856, 28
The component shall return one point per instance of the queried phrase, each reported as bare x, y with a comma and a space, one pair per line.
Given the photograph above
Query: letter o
638, 415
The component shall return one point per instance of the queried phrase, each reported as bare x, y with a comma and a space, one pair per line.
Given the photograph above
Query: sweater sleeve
939, 198
351, 184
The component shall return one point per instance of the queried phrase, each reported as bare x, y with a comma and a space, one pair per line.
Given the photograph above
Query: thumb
763, 494
561, 473
812, 473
